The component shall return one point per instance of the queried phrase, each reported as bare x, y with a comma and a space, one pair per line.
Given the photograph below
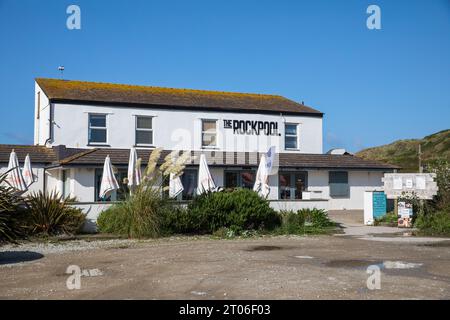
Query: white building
78, 123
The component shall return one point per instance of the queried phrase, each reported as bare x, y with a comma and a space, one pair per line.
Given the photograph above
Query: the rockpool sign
269, 128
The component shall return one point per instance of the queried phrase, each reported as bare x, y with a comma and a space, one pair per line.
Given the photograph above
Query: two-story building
77, 123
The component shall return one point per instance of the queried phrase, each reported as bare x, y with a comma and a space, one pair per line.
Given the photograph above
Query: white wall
41, 125
83, 188
38, 173
178, 129
296, 205
359, 181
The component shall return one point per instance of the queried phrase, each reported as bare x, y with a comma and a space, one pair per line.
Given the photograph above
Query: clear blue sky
375, 86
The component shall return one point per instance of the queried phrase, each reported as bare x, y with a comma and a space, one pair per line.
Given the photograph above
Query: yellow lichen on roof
86, 85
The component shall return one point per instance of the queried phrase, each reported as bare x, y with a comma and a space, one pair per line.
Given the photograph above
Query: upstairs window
290, 136
144, 131
97, 128
339, 187
209, 133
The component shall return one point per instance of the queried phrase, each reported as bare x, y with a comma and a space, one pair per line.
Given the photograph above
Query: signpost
420, 185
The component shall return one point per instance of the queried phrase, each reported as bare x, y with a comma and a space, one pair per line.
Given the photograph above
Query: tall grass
143, 213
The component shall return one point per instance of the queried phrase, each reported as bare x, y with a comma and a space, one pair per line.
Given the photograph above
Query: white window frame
291, 135
136, 129
90, 143
209, 132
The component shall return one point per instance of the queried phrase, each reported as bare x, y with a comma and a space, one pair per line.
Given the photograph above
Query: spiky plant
11, 212
51, 214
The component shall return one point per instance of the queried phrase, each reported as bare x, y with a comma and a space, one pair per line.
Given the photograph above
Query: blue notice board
379, 204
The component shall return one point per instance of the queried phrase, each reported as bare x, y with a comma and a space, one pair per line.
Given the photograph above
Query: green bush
140, 215
51, 214
292, 223
389, 218
436, 223
315, 217
239, 210
175, 220
304, 221
11, 213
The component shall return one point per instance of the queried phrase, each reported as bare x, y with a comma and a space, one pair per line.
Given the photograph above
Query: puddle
351, 263
440, 244
199, 293
265, 248
363, 264
401, 265
303, 257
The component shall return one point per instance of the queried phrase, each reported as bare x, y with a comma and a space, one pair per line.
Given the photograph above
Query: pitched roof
38, 154
61, 155
119, 157
144, 96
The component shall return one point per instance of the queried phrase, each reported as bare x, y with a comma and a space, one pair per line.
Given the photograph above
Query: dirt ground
314, 267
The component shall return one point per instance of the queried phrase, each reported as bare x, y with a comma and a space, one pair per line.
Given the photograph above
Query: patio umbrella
262, 177
175, 186
270, 160
27, 172
14, 177
134, 170
109, 182
205, 180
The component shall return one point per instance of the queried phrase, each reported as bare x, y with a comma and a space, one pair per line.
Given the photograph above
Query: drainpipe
50, 126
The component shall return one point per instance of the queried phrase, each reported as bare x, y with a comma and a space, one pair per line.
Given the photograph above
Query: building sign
379, 204
269, 128
420, 184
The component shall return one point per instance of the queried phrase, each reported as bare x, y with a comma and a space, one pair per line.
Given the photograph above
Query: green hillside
404, 153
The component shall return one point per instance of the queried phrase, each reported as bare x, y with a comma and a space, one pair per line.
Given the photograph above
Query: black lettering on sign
269, 128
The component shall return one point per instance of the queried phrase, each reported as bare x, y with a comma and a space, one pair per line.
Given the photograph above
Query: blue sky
375, 86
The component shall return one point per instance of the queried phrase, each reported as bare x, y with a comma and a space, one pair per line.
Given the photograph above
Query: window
209, 133
292, 184
144, 131
339, 186
97, 128
117, 195
240, 179
66, 184
189, 181
290, 136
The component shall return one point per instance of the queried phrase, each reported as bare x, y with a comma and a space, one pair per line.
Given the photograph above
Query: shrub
389, 218
304, 221
175, 219
315, 217
292, 223
51, 214
239, 210
436, 223
11, 213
